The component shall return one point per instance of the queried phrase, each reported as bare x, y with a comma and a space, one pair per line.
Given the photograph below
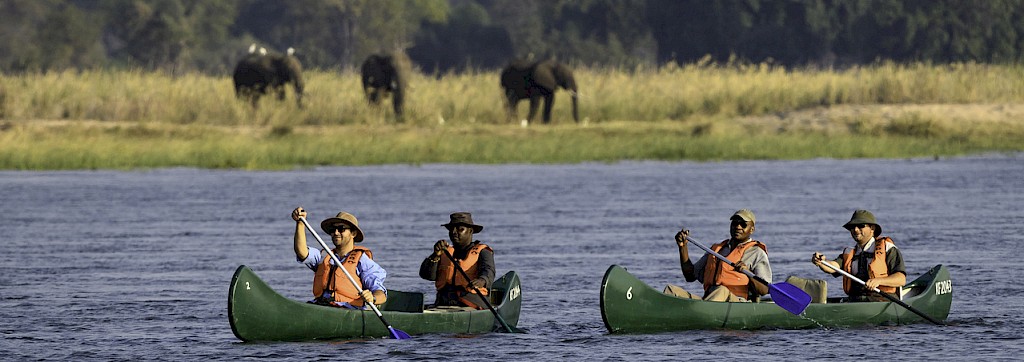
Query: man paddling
474, 257
875, 260
722, 282
330, 285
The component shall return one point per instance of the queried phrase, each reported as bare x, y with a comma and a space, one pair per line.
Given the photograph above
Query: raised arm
299, 240
428, 268
684, 256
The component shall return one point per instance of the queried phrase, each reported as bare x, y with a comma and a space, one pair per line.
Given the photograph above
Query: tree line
459, 35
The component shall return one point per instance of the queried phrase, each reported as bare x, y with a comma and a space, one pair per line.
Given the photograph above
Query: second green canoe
628, 305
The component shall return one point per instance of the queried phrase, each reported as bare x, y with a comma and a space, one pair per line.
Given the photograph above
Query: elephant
385, 75
537, 81
259, 72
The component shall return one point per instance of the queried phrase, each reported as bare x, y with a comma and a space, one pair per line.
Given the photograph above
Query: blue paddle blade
398, 334
789, 297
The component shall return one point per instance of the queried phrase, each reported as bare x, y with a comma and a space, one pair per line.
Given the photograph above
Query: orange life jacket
876, 269
337, 282
717, 272
447, 275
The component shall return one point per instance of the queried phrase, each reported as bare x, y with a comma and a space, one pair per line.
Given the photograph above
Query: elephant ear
564, 77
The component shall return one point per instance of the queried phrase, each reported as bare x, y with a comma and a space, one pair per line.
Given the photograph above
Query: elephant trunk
575, 113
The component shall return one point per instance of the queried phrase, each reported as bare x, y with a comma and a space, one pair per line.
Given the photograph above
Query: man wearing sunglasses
875, 260
473, 257
330, 285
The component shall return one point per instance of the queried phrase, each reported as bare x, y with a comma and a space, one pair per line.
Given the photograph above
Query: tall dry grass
128, 119
668, 93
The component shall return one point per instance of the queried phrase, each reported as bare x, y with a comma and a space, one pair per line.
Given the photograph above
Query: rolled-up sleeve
699, 266
313, 259
760, 265
372, 274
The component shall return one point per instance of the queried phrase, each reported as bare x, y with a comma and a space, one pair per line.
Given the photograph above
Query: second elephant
537, 81
384, 75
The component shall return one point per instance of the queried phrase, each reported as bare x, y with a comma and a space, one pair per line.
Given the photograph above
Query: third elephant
385, 75
537, 81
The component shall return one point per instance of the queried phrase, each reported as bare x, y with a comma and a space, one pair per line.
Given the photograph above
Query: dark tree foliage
467, 41
454, 35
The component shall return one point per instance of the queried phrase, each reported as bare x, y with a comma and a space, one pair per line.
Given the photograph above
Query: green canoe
258, 313
630, 306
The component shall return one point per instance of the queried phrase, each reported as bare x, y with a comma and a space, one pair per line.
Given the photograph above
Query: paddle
788, 296
482, 296
395, 333
884, 294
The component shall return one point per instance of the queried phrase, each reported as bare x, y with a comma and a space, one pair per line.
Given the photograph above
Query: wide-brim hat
463, 218
863, 217
328, 224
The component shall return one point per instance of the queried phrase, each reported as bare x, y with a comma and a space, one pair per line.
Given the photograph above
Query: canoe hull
628, 305
258, 313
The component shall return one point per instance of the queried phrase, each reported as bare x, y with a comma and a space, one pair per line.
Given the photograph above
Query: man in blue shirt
330, 285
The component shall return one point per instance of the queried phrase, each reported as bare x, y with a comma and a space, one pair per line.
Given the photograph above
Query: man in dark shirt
474, 257
888, 274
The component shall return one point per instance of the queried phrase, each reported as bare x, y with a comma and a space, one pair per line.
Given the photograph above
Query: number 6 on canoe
785, 295
396, 334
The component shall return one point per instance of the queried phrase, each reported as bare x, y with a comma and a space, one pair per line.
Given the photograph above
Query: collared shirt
371, 274
866, 254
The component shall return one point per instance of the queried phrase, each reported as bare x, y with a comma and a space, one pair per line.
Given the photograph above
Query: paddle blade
789, 297
510, 329
398, 334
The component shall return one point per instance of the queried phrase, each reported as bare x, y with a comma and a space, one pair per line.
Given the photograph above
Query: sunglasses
340, 228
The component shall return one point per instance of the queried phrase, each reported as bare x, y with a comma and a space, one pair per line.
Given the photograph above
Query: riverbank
888, 131
108, 119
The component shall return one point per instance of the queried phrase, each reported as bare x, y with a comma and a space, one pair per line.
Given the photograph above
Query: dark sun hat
463, 218
863, 217
343, 217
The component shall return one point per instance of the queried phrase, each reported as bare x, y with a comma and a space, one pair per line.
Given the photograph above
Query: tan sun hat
463, 218
744, 214
863, 217
328, 224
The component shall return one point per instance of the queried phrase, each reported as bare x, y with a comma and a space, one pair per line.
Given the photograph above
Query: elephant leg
575, 111
298, 94
549, 102
397, 100
511, 103
373, 96
534, 103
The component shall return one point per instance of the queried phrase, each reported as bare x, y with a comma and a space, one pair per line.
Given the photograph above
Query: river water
100, 265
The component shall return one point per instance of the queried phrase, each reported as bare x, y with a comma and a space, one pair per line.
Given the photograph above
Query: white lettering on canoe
629, 293
944, 287
514, 293
247, 286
